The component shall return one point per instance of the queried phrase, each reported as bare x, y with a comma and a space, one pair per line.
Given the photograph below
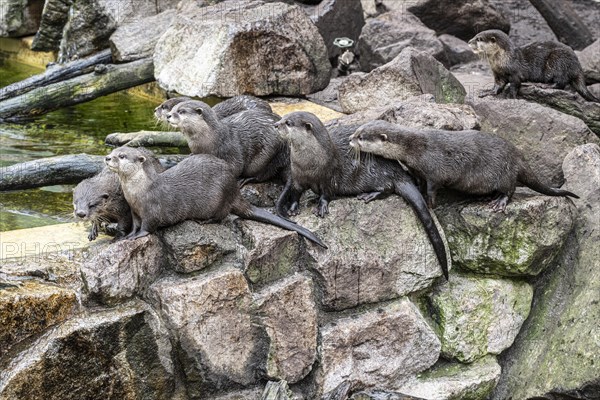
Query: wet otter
248, 140
540, 62
469, 161
325, 163
201, 187
224, 109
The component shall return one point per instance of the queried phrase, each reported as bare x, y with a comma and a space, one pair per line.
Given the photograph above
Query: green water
79, 129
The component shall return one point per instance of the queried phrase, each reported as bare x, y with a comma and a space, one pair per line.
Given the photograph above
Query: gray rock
385, 36
335, 19
411, 73
218, 343
119, 271
20, 18
119, 353
545, 136
328, 97
289, 315
461, 18
192, 246
242, 47
138, 39
381, 395
261, 194
273, 253
476, 316
378, 348
242, 394
54, 18
28, 308
526, 23
523, 241
590, 61
566, 102
457, 51
277, 391
453, 381
362, 264
556, 353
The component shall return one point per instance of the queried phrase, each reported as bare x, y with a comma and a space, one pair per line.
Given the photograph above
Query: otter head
490, 43
299, 127
87, 200
125, 161
193, 118
161, 112
371, 137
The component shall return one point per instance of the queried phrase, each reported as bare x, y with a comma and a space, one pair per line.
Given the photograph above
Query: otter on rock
201, 187
248, 140
538, 62
469, 161
325, 163
224, 109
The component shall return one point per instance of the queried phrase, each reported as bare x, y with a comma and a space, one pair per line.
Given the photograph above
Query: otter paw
499, 205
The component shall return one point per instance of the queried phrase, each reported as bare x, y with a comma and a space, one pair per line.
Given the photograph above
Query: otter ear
383, 137
105, 196
309, 126
198, 109
493, 39
141, 159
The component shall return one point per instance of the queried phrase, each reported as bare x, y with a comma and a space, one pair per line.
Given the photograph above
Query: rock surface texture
20, 17
241, 47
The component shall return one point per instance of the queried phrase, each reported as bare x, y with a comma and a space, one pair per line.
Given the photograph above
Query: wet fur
538, 62
325, 163
469, 161
201, 187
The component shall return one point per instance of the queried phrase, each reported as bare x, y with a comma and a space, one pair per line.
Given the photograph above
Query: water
79, 129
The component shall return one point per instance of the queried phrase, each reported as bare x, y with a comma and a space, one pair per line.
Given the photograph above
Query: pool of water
79, 129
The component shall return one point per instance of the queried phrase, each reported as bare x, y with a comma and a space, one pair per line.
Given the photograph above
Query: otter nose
169, 115
80, 214
108, 158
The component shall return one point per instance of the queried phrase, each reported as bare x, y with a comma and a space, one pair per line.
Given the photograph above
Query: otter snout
80, 213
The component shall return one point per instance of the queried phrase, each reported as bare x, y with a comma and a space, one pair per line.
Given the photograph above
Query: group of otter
241, 140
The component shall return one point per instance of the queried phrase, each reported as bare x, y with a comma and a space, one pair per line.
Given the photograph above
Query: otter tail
581, 88
411, 194
262, 215
528, 178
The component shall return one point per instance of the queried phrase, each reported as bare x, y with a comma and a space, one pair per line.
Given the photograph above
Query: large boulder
461, 18
378, 348
477, 316
217, 340
544, 136
362, 264
526, 23
242, 47
411, 73
113, 354
54, 18
523, 241
20, 17
457, 50
556, 354
385, 36
590, 61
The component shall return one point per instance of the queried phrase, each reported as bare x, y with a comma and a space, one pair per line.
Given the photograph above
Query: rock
335, 19
288, 312
273, 253
261, 194
242, 47
385, 36
566, 102
122, 270
478, 316
118, 353
21, 18
556, 353
545, 136
28, 308
362, 264
243, 394
55, 15
218, 343
328, 97
277, 391
381, 395
461, 18
526, 23
192, 246
457, 51
590, 61
138, 39
448, 381
371, 8
411, 73
378, 348
523, 241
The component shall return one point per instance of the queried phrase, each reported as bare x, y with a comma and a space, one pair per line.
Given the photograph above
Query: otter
248, 141
201, 187
539, 62
325, 163
469, 161
224, 109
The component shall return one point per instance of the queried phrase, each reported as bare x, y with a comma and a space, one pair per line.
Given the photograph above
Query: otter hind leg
370, 196
499, 204
288, 202
323, 206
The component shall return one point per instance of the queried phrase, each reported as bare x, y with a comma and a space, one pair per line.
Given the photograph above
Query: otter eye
121, 156
288, 122
105, 196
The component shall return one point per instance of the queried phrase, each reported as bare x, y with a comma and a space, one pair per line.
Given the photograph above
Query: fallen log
565, 23
147, 139
59, 170
111, 78
55, 74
